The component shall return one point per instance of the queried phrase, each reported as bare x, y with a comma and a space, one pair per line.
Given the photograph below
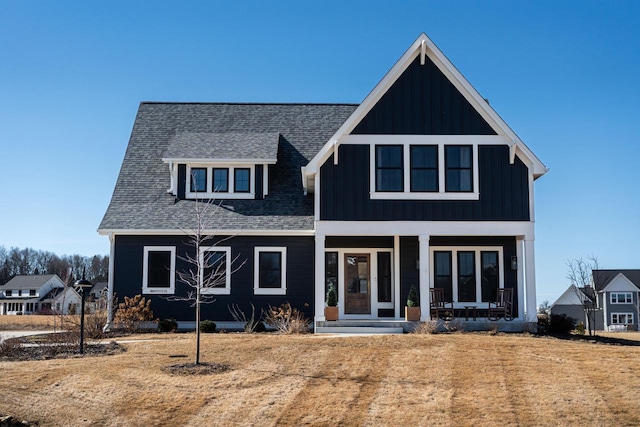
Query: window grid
622, 318
458, 168
424, 168
389, 168
621, 298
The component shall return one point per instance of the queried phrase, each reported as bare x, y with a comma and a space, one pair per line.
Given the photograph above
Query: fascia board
221, 161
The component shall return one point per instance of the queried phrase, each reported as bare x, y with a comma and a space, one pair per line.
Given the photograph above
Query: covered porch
373, 274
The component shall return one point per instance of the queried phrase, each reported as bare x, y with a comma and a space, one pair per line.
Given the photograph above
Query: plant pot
331, 313
412, 314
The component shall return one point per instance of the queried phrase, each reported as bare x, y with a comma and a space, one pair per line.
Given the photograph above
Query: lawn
445, 379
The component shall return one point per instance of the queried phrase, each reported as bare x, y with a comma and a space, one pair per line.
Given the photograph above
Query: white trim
618, 314
407, 194
617, 293
265, 180
211, 193
396, 276
217, 290
432, 228
216, 162
477, 250
424, 260
112, 260
456, 78
236, 232
146, 289
620, 283
257, 290
319, 277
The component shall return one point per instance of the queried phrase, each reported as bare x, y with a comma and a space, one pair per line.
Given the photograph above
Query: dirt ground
446, 379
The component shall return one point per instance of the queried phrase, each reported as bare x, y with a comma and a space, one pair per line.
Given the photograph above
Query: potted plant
412, 310
331, 309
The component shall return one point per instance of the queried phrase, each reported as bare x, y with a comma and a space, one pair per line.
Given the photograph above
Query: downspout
110, 308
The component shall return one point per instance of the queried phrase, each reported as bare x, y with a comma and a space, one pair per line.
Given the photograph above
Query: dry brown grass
28, 322
444, 379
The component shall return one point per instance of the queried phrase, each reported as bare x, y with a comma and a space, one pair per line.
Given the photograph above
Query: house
64, 301
573, 302
618, 297
28, 294
422, 184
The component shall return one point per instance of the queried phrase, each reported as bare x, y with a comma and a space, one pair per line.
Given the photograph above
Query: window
159, 270
621, 298
198, 180
8, 292
389, 168
270, 271
216, 270
467, 274
331, 271
442, 274
490, 275
424, 168
458, 164
241, 180
622, 318
32, 292
220, 180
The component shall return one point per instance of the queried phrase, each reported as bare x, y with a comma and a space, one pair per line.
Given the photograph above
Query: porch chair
439, 308
502, 306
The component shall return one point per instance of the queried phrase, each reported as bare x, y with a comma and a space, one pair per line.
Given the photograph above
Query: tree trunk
198, 326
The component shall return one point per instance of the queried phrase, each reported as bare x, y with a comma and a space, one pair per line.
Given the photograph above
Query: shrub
287, 320
250, 323
580, 329
428, 327
561, 324
132, 312
412, 299
207, 326
332, 297
167, 325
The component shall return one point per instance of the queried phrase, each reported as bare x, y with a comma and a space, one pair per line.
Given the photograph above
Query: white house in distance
28, 294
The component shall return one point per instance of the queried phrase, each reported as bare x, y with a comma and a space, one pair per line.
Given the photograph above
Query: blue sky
563, 74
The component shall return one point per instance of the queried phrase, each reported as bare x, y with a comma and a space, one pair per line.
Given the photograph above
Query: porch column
530, 281
112, 260
319, 278
521, 287
423, 276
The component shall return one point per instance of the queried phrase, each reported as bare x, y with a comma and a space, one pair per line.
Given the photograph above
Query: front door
357, 284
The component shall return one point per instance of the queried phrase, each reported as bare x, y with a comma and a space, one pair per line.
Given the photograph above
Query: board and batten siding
422, 101
344, 192
300, 275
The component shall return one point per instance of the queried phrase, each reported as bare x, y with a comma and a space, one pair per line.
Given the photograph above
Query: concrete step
358, 330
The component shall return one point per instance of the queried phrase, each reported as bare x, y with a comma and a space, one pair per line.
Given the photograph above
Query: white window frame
615, 318
627, 295
478, 270
230, 194
217, 291
257, 290
146, 289
406, 141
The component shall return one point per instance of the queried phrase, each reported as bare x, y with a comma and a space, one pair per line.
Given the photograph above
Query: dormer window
198, 180
241, 180
220, 180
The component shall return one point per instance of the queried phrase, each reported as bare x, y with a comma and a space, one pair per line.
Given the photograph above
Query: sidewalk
15, 334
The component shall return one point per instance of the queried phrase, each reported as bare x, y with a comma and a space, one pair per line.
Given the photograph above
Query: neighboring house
64, 301
97, 296
421, 184
618, 296
28, 294
573, 302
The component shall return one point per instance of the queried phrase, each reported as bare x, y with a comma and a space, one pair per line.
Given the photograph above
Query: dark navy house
422, 184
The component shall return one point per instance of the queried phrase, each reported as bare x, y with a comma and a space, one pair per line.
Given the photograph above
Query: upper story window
8, 293
459, 167
221, 181
32, 292
621, 298
389, 168
423, 168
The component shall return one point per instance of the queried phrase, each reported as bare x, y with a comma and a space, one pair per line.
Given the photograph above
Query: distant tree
580, 274
206, 269
543, 308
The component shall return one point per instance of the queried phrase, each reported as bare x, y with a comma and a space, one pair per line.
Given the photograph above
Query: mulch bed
13, 350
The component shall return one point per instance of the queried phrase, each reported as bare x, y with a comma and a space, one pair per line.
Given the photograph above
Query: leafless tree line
16, 261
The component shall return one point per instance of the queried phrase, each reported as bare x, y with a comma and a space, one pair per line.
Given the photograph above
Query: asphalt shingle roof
28, 282
140, 199
601, 278
203, 145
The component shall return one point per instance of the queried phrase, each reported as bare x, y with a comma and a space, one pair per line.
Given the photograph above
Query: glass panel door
357, 284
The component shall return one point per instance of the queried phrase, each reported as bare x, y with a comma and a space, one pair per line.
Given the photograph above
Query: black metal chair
502, 306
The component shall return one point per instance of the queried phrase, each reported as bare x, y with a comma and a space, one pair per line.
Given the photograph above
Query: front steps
362, 327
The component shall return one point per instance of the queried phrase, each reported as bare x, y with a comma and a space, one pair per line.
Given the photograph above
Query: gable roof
574, 295
423, 46
602, 278
223, 146
28, 281
141, 203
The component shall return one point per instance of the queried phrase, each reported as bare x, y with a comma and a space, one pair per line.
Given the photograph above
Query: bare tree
580, 274
207, 267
